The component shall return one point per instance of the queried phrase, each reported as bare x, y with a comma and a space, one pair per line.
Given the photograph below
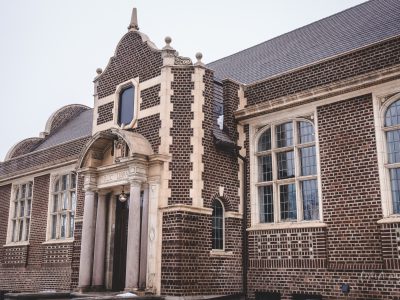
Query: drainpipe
244, 225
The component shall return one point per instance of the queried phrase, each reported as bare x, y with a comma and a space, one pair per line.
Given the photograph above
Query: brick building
293, 194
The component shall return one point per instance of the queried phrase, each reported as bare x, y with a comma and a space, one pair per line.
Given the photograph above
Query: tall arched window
62, 207
392, 133
287, 173
217, 225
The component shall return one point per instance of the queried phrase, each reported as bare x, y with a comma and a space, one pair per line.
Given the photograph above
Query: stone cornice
187, 208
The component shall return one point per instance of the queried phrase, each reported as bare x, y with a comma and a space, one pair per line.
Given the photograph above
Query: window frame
382, 104
118, 91
256, 129
68, 212
15, 188
223, 226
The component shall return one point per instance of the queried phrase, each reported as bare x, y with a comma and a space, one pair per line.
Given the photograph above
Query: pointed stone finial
134, 21
199, 56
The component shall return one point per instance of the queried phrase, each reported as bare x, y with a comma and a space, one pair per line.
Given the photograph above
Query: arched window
62, 207
392, 133
217, 225
287, 173
126, 106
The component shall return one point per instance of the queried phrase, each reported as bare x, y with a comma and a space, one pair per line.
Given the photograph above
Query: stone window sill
17, 244
65, 241
287, 225
221, 253
390, 219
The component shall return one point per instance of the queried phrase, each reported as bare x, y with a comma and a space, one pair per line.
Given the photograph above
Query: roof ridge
291, 31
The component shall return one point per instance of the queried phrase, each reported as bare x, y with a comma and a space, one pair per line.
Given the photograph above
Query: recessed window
392, 134
126, 106
21, 212
217, 225
62, 207
287, 173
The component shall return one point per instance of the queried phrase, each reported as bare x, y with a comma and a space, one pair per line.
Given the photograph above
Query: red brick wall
149, 127
369, 59
5, 196
351, 198
150, 97
105, 113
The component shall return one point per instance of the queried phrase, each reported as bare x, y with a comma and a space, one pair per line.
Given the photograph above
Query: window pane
308, 161
392, 116
14, 231
53, 226
264, 143
266, 204
64, 201
310, 199
73, 180
64, 182
217, 226
28, 208
395, 186
284, 135
57, 186
21, 228
126, 100
30, 190
287, 195
21, 208
285, 164
73, 201
306, 132
63, 226
265, 168
393, 145
27, 222
15, 209
55, 203
71, 224
17, 195
23, 193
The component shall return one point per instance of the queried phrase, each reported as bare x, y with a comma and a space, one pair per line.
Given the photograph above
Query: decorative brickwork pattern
181, 132
15, 257
350, 183
43, 158
187, 267
105, 113
5, 196
64, 115
39, 211
390, 235
58, 255
375, 57
149, 127
133, 58
150, 97
294, 248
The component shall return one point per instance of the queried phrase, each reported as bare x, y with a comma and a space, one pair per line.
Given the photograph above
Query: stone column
133, 244
143, 239
86, 262
100, 242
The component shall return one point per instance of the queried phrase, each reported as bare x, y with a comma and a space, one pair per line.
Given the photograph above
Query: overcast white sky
50, 49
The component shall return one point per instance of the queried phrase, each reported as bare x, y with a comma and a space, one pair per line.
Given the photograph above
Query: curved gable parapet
135, 56
23, 147
56, 120
63, 115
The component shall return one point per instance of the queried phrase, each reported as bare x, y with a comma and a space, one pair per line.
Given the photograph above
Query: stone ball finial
168, 40
199, 56
99, 71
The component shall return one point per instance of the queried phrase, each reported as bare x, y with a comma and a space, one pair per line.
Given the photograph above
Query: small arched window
62, 207
126, 106
217, 225
287, 180
392, 130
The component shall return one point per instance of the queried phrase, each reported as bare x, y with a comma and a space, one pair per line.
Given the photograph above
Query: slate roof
78, 127
356, 27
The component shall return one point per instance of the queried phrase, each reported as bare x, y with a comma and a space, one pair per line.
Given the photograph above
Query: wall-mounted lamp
122, 197
345, 288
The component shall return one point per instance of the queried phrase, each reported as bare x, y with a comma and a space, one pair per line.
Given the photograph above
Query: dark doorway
120, 240
268, 296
